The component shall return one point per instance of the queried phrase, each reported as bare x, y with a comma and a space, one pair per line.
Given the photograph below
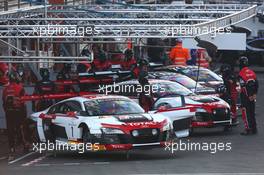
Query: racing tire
35, 137
33, 129
48, 132
191, 131
127, 155
86, 136
227, 128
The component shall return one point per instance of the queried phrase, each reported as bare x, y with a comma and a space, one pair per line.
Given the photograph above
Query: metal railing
255, 2
6, 5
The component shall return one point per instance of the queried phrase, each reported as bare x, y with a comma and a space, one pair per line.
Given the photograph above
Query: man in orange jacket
179, 55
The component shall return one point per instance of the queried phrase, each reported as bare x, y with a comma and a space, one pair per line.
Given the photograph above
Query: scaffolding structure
123, 21
78, 24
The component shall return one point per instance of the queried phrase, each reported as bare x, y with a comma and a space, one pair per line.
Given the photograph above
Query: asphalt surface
246, 156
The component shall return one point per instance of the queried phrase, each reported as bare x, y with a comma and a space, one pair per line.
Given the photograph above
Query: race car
206, 77
110, 122
210, 111
183, 80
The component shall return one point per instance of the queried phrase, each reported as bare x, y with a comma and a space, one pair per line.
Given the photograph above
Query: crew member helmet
243, 62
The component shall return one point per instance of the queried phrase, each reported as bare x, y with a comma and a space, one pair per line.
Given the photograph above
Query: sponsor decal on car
131, 118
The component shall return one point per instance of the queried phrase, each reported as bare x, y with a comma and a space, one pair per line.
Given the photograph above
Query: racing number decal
72, 131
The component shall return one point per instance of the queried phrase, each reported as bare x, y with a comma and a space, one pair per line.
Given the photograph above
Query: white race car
111, 122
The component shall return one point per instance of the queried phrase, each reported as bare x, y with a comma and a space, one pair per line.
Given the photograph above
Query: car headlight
112, 131
214, 112
135, 133
166, 127
154, 132
200, 110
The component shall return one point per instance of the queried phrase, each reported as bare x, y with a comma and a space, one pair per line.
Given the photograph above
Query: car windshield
170, 88
187, 82
111, 107
204, 75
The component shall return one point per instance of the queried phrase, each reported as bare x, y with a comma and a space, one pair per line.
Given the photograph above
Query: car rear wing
54, 96
104, 73
100, 77
84, 81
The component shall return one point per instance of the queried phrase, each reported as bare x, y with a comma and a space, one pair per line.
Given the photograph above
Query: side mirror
71, 114
45, 116
162, 108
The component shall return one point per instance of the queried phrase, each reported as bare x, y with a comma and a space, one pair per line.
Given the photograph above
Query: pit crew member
231, 84
100, 63
249, 88
146, 101
43, 87
179, 55
130, 61
15, 111
67, 74
143, 68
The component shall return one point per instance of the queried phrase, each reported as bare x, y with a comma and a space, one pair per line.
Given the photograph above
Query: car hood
208, 100
204, 90
127, 118
133, 118
211, 84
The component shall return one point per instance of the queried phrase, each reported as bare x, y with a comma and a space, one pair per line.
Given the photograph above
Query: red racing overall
231, 87
146, 101
15, 111
249, 87
99, 65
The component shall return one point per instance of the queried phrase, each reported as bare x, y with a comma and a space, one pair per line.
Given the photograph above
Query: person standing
129, 62
143, 68
43, 87
202, 58
179, 55
16, 114
146, 99
101, 63
249, 88
231, 94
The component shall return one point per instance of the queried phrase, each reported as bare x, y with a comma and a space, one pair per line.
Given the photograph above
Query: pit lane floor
246, 156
